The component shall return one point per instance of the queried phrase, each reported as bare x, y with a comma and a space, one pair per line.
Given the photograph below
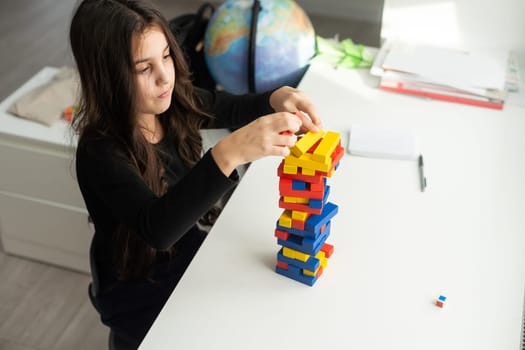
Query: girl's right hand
270, 135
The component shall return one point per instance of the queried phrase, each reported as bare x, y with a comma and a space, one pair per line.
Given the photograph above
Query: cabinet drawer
33, 172
45, 232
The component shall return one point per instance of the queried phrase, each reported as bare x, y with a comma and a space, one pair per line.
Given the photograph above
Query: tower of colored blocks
304, 225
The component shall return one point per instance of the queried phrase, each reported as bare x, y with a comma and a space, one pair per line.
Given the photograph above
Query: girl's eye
168, 56
144, 70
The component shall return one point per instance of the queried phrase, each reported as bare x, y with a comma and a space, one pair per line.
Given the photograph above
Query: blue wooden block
315, 222
303, 233
312, 231
306, 245
295, 273
317, 203
311, 264
298, 185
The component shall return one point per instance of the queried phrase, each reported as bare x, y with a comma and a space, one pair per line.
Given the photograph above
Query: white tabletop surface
396, 248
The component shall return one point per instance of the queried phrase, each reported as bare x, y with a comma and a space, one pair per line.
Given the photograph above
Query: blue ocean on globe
285, 43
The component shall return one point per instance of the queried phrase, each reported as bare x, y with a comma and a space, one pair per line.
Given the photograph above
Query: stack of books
474, 78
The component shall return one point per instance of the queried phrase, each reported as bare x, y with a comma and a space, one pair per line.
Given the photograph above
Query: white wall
367, 10
492, 24
484, 24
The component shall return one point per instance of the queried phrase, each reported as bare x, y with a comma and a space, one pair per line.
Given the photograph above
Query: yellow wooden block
286, 219
309, 172
326, 147
294, 254
323, 263
306, 161
310, 273
289, 199
299, 200
322, 258
299, 215
313, 273
302, 200
307, 141
289, 169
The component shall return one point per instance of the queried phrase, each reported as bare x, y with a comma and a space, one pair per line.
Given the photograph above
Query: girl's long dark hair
101, 35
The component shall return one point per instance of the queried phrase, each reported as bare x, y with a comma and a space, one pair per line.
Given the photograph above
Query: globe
285, 42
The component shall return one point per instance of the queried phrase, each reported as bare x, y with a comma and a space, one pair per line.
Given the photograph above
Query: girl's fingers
282, 151
286, 140
285, 122
307, 124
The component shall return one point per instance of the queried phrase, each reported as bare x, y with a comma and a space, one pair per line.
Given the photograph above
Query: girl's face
154, 72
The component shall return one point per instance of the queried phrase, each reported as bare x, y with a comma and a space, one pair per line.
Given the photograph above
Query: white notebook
382, 142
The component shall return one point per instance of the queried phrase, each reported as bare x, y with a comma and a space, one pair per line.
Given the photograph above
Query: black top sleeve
114, 192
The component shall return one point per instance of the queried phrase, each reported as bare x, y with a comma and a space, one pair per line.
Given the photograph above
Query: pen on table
422, 178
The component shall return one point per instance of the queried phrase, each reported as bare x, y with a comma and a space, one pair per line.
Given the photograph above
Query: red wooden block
337, 155
298, 224
314, 146
283, 235
320, 271
286, 190
439, 304
284, 184
317, 187
298, 176
282, 265
328, 249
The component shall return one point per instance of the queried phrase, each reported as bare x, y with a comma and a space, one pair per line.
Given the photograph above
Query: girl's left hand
288, 99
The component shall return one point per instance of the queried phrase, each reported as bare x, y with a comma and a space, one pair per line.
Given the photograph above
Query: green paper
343, 54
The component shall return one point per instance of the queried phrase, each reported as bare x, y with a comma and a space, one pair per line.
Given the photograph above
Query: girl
139, 159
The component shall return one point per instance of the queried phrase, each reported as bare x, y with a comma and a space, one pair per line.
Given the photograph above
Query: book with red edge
439, 93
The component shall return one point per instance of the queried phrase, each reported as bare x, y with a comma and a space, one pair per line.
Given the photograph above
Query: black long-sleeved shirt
114, 193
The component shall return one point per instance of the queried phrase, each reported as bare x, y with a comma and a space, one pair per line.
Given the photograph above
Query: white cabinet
42, 213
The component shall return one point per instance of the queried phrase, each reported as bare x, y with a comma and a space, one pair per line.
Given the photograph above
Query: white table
396, 249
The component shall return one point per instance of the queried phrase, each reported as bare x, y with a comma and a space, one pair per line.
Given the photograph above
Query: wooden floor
41, 306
